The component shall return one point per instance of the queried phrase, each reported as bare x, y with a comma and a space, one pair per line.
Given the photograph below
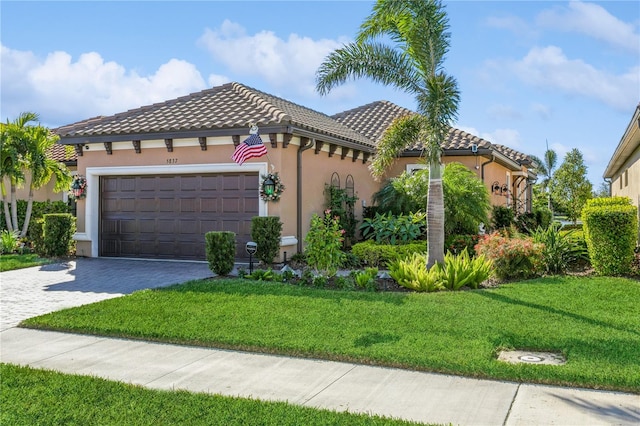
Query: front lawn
39, 397
594, 322
9, 262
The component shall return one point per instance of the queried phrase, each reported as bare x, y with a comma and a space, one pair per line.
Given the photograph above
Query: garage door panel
167, 216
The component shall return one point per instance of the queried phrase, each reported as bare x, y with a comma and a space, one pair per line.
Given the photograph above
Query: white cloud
282, 63
513, 24
593, 20
541, 110
549, 68
63, 90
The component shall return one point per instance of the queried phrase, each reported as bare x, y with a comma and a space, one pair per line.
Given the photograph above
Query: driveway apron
29, 292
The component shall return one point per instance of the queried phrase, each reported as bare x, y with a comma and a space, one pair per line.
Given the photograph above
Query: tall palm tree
403, 43
546, 168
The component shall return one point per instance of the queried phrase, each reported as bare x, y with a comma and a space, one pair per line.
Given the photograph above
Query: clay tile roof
231, 105
60, 153
374, 118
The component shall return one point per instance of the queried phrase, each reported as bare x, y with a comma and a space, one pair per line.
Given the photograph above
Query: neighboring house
46, 193
623, 170
160, 176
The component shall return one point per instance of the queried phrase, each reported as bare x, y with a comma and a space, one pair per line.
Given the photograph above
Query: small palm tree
411, 60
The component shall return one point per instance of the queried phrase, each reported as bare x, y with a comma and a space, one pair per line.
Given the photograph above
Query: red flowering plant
78, 189
513, 258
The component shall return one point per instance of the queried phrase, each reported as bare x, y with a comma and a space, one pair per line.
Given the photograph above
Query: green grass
39, 397
594, 322
9, 262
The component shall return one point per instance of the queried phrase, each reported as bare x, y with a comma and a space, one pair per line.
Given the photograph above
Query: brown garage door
166, 217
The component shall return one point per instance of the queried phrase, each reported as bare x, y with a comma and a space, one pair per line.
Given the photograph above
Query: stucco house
623, 170
160, 176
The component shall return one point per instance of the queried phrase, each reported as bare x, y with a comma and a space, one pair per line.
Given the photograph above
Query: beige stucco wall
627, 182
187, 155
46, 193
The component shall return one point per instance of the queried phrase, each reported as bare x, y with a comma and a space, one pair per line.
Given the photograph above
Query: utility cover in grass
529, 357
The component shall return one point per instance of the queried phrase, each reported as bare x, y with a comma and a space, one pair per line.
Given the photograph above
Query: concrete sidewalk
417, 396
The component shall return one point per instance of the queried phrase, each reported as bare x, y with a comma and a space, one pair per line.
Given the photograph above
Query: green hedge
266, 232
221, 251
380, 255
610, 231
57, 234
39, 209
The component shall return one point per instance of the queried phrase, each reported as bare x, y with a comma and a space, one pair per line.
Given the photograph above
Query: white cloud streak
549, 68
594, 21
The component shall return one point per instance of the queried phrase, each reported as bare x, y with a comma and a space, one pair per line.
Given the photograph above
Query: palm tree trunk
14, 208
435, 215
27, 215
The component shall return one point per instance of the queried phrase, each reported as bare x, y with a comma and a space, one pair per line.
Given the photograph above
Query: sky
531, 74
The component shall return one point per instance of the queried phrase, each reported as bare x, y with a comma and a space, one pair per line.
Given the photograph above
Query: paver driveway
28, 292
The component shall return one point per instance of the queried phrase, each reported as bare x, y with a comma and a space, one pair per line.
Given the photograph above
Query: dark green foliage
221, 251
38, 209
466, 200
342, 205
266, 231
610, 230
380, 255
562, 250
457, 243
57, 234
502, 217
37, 238
390, 229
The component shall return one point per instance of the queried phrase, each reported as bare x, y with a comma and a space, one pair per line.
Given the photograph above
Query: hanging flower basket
271, 188
78, 188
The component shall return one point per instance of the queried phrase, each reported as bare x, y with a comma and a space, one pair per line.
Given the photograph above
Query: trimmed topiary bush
610, 231
266, 232
57, 234
381, 255
221, 251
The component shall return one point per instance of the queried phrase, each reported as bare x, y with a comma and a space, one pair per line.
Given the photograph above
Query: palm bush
561, 250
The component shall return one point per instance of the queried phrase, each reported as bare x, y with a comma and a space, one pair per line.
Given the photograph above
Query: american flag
249, 148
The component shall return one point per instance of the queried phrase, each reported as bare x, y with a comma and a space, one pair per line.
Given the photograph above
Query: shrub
57, 234
342, 205
366, 279
221, 251
462, 270
9, 241
513, 258
457, 243
412, 273
501, 217
266, 232
380, 255
323, 244
561, 251
610, 231
390, 229
38, 209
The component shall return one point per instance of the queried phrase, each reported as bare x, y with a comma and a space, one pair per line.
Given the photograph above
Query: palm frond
403, 132
376, 61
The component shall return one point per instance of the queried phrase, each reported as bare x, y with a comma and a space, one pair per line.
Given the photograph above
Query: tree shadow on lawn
506, 299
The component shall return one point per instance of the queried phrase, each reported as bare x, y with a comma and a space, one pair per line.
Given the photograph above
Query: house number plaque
172, 160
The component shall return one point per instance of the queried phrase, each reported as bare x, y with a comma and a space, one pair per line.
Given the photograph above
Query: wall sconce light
495, 188
268, 186
504, 190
